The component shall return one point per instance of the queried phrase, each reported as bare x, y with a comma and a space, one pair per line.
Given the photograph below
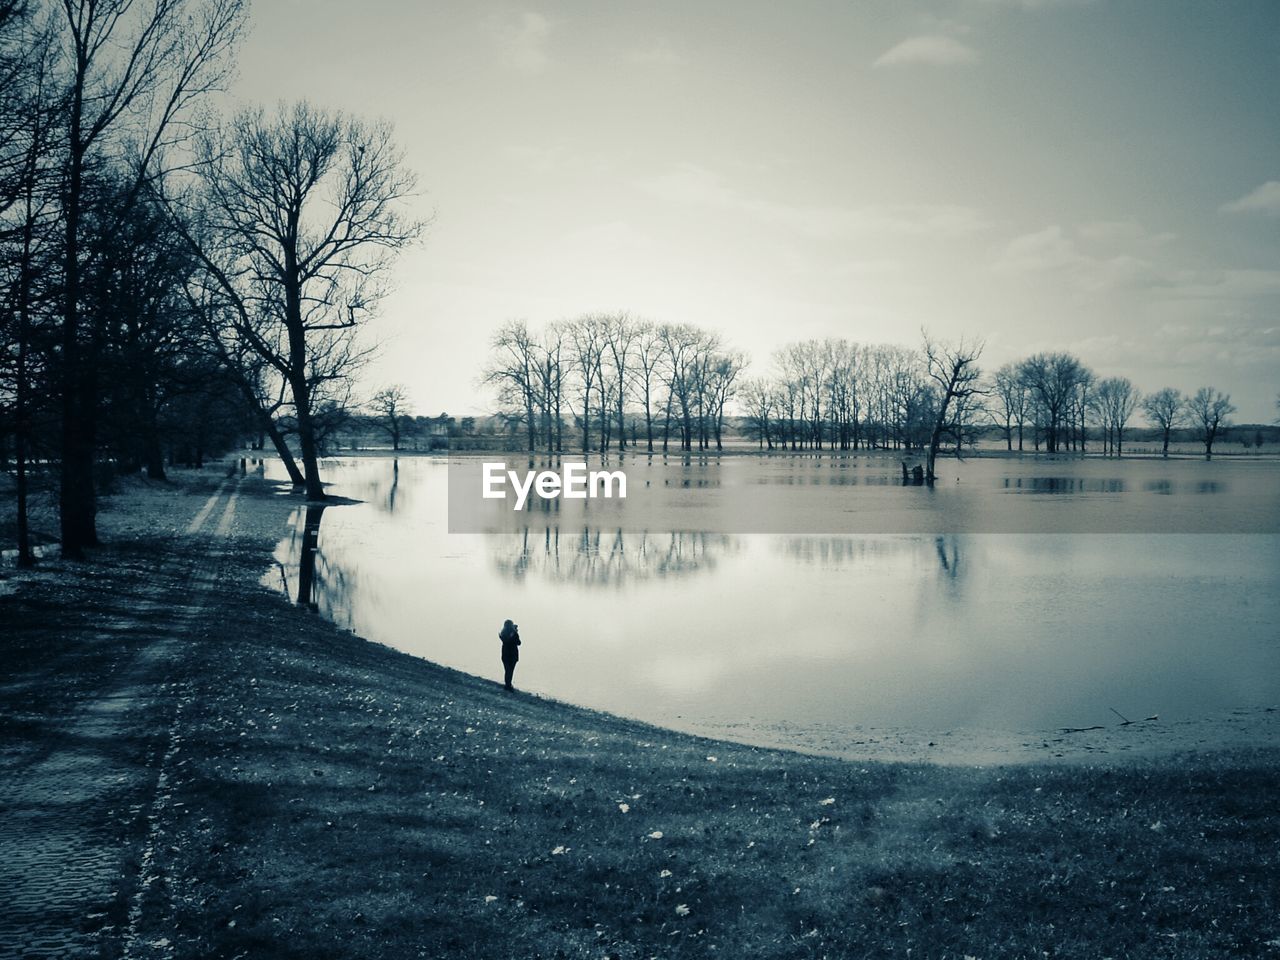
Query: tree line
613, 380
617, 380
173, 279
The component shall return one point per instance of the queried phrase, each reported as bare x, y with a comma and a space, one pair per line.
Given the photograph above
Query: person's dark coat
510, 637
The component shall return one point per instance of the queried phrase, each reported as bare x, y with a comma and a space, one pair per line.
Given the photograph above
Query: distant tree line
1054, 398
171, 281
613, 380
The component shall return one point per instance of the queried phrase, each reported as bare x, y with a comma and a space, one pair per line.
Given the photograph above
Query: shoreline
749, 450
1248, 728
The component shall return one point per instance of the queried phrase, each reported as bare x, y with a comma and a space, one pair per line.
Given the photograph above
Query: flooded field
630, 609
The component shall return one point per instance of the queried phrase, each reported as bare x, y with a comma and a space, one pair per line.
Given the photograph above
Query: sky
1083, 175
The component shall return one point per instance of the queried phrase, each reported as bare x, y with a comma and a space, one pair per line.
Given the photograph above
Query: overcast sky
1100, 177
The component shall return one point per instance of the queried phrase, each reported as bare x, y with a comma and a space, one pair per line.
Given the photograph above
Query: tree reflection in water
948, 549
308, 554
836, 552
593, 557
307, 575
844, 551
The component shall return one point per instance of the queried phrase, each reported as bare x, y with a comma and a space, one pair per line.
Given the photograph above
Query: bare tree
621, 334
1115, 400
302, 215
680, 344
30, 108
513, 370
587, 342
264, 390
132, 70
1210, 409
760, 402
549, 379
722, 385
390, 406
1010, 391
1053, 380
954, 370
705, 356
646, 373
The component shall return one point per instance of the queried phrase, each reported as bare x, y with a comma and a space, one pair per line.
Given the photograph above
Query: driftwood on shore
1125, 722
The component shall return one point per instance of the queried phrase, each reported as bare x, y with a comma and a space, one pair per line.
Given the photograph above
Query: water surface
1004, 631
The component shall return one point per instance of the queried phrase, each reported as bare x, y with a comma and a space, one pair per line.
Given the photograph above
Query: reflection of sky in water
1011, 631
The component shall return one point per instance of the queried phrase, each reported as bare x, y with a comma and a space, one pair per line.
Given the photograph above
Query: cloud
1228, 284
521, 39
660, 53
694, 185
1117, 232
1265, 200
1052, 250
933, 49
1033, 4
1106, 256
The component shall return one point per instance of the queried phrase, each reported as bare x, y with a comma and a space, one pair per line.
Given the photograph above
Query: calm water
1010, 631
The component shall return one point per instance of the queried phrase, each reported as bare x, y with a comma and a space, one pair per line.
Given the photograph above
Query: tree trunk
307, 438
528, 412
282, 448
25, 557
76, 494
298, 376
622, 420
648, 419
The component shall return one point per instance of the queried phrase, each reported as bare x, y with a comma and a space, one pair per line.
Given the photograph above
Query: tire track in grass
151, 890
79, 788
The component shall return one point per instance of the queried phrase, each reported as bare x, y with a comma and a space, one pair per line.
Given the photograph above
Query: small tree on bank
390, 407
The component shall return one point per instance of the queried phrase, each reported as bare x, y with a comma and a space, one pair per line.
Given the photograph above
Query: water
1001, 631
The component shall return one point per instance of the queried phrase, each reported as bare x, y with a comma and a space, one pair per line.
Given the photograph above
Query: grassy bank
335, 798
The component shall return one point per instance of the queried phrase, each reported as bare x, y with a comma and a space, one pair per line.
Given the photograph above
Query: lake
635, 610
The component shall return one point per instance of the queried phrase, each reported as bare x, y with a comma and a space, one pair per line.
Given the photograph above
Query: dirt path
85, 763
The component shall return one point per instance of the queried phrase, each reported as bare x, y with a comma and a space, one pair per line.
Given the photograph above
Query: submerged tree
955, 374
1166, 409
1010, 409
1210, 409
1114, 401
513, 371
1054, 380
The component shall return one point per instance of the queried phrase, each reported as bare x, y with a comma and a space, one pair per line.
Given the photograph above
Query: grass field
335, 798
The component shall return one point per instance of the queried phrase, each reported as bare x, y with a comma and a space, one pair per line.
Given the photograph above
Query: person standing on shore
510, 637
